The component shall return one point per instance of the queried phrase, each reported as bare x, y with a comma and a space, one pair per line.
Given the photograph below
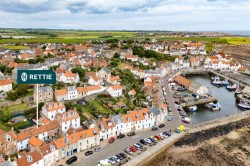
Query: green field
237, 40
18, 107
100, 107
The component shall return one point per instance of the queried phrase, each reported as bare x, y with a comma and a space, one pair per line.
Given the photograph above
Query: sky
174, 15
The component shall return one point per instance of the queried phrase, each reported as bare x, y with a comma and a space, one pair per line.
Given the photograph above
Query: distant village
102, 90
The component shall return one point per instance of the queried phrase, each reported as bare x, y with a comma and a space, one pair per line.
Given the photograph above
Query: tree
80, 71
5, 116
113, 45
138, 50
22, 89
31, 61
116, 55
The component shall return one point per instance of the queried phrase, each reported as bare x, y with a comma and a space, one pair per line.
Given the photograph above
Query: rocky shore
223, 145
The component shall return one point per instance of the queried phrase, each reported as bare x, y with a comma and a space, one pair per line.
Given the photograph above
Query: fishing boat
216, 82
213, 106
216, 106
243, 105
232, 87
193, 108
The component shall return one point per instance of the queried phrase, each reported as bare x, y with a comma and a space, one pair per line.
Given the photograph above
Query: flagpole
37, 105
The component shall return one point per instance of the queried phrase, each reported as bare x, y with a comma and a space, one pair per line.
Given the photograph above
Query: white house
51, 109
50, 154
114, 80
69, 119
68, 77
5, 85
94, 80
70, 93
115, 90
107, 128
88, 139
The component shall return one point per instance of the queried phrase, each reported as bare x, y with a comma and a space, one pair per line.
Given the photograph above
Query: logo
24, 77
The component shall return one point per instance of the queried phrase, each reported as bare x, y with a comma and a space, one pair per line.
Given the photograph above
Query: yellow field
237, 40
14, 47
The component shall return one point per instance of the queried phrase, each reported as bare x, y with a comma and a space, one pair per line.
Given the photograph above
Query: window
87, 141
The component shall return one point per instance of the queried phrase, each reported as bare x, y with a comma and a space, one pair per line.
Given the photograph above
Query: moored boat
243, 105
213, 106
193, 108
232, 87
225, 82
216, 82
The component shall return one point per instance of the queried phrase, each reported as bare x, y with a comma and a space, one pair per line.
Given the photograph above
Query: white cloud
124, 14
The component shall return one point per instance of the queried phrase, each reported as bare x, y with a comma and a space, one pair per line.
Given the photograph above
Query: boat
232, 87
215, 77
193, 108
216, 82
238, 91
185, 120
243, 105
216, 106
225, 82
213, 106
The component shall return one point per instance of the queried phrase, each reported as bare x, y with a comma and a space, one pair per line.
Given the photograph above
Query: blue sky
178, 15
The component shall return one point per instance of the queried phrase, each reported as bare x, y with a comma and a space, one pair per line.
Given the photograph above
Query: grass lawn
16, 107
22, 124
100, 107
14, 47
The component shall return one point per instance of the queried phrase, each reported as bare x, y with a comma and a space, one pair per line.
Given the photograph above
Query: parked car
157, 137
170, 113
133, 149
152, 140
116, 159
131, 133
123, 155
163, 135
111, 140
98, 148
149, 141
120, 136
138, 147
167, 133
143, 141
161, 125
111, 160
128, 151
170, 118
154, 128
89, 152
71, 160
119, 156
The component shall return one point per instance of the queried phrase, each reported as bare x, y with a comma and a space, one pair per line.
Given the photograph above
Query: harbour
226, 99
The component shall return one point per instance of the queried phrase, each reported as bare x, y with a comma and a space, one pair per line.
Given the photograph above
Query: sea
241, 33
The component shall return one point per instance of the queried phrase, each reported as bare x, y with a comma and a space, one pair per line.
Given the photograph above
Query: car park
98, 148
111, 140
111, 160
89, 152
161, 125
71, 160
120, 136
154, 128
132, 133
143, 141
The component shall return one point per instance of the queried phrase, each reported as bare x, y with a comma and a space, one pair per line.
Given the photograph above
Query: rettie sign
36, 77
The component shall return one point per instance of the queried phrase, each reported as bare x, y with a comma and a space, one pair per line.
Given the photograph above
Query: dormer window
52, 148
29, 159
55, 105
7, 137
64, 116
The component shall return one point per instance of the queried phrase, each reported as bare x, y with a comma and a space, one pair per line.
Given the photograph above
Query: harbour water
225, 98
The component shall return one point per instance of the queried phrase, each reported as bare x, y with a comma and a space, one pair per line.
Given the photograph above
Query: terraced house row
60, 133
